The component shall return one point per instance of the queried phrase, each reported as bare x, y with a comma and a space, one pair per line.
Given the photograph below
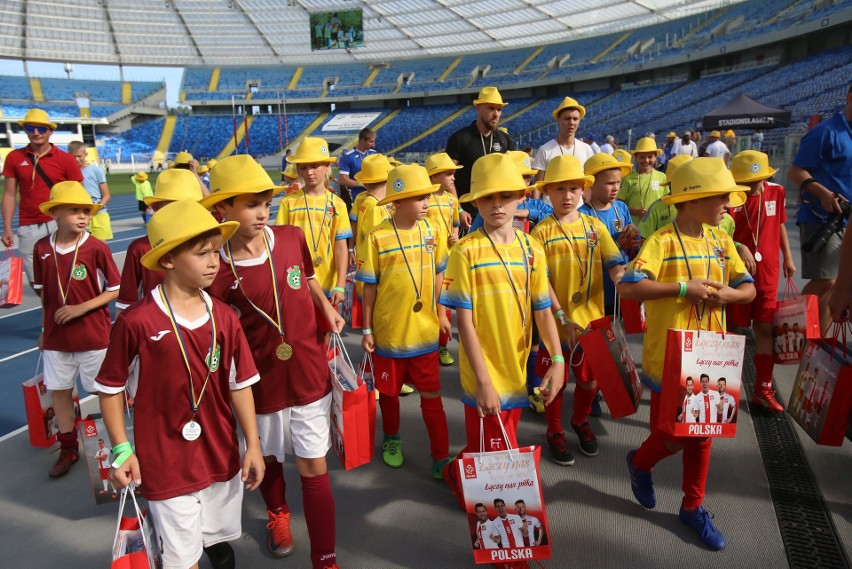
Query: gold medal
418, 306
317, 261
577, 297
284, 352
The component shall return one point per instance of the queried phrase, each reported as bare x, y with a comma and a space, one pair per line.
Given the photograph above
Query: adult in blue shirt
350, 164
822, 169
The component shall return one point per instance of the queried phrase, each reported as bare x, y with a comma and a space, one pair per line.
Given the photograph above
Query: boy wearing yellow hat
143, 189
321, 215
266, 273
568, 115
496, 279
644, 186
716, 148
402, 265
185, 161
185, 422
686, 266
69, 269
579, 249
136, 280
443, 215
760, 229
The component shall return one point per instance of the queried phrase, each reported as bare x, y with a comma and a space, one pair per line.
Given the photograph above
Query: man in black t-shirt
479, 138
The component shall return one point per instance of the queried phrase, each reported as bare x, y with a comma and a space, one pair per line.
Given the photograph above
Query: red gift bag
11, 280
796, 321
135, 545
350, 428
507, 519
702, 376
365, 376
38, 402
821, 400
632, 314
612, 365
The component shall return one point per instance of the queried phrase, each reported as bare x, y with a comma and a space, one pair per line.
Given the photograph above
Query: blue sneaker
642, 484
596, 404
700, 520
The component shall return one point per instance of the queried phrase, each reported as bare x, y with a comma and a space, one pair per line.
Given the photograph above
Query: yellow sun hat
175, 224
523, 161
489, 96
603, 161
212, 162
714, 133
173, 186
236, 175
704, 178
408, 181
751, 166
440, 162
565, 168
290, 172
673, 165
623, 156
203, 169
374, 169
37, 117
646, 144
183, 158
569, 103
312, 150
141, 176
672, 134
69, 193
394, 162
494, 174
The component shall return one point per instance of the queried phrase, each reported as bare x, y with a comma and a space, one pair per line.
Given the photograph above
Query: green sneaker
392, 451
445, 357
438, 467
406, 390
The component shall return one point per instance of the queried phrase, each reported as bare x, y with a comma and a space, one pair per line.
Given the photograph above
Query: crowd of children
527, 278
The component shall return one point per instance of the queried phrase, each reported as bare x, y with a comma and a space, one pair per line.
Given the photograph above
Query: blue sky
171, 75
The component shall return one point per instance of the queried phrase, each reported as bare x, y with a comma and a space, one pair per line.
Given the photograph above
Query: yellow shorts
100, 226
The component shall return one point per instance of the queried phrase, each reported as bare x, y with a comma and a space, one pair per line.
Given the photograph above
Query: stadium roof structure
256, 32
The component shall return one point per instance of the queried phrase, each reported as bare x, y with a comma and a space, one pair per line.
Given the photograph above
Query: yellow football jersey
478, 280
443, 212
402, 262
663, 259
324, 221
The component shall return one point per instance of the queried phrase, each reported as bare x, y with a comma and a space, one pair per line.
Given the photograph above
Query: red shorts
492, 436
104, 473
761, 309
420, 371
581, 369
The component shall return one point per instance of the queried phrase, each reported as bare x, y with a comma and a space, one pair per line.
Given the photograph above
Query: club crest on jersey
496, 147
294, 277
79, 272
720, 256
592, 238
213, 362
398, 185
429, 242
619, 225
329, 210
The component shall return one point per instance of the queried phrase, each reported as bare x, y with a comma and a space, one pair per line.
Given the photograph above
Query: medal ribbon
585, 268
64, 292
598, 217
417, 290
444, 219
279, 325
524, 254
755, 235
315, 242
194, 402
700, 315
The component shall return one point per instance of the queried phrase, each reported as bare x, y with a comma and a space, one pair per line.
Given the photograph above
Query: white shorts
303, 431
189, 523
61, 368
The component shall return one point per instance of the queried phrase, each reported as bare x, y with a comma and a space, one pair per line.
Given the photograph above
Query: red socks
68, 440
553, 413
390, 413
273, 488
432, 409
764, 365
583, 399
696, 464
319, 517
652, 451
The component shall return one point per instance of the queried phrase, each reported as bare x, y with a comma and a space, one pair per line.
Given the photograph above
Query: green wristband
121, 458
339, 289
682, 292
121, 447
559, 359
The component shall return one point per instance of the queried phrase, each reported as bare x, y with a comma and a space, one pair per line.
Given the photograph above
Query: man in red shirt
33, 170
